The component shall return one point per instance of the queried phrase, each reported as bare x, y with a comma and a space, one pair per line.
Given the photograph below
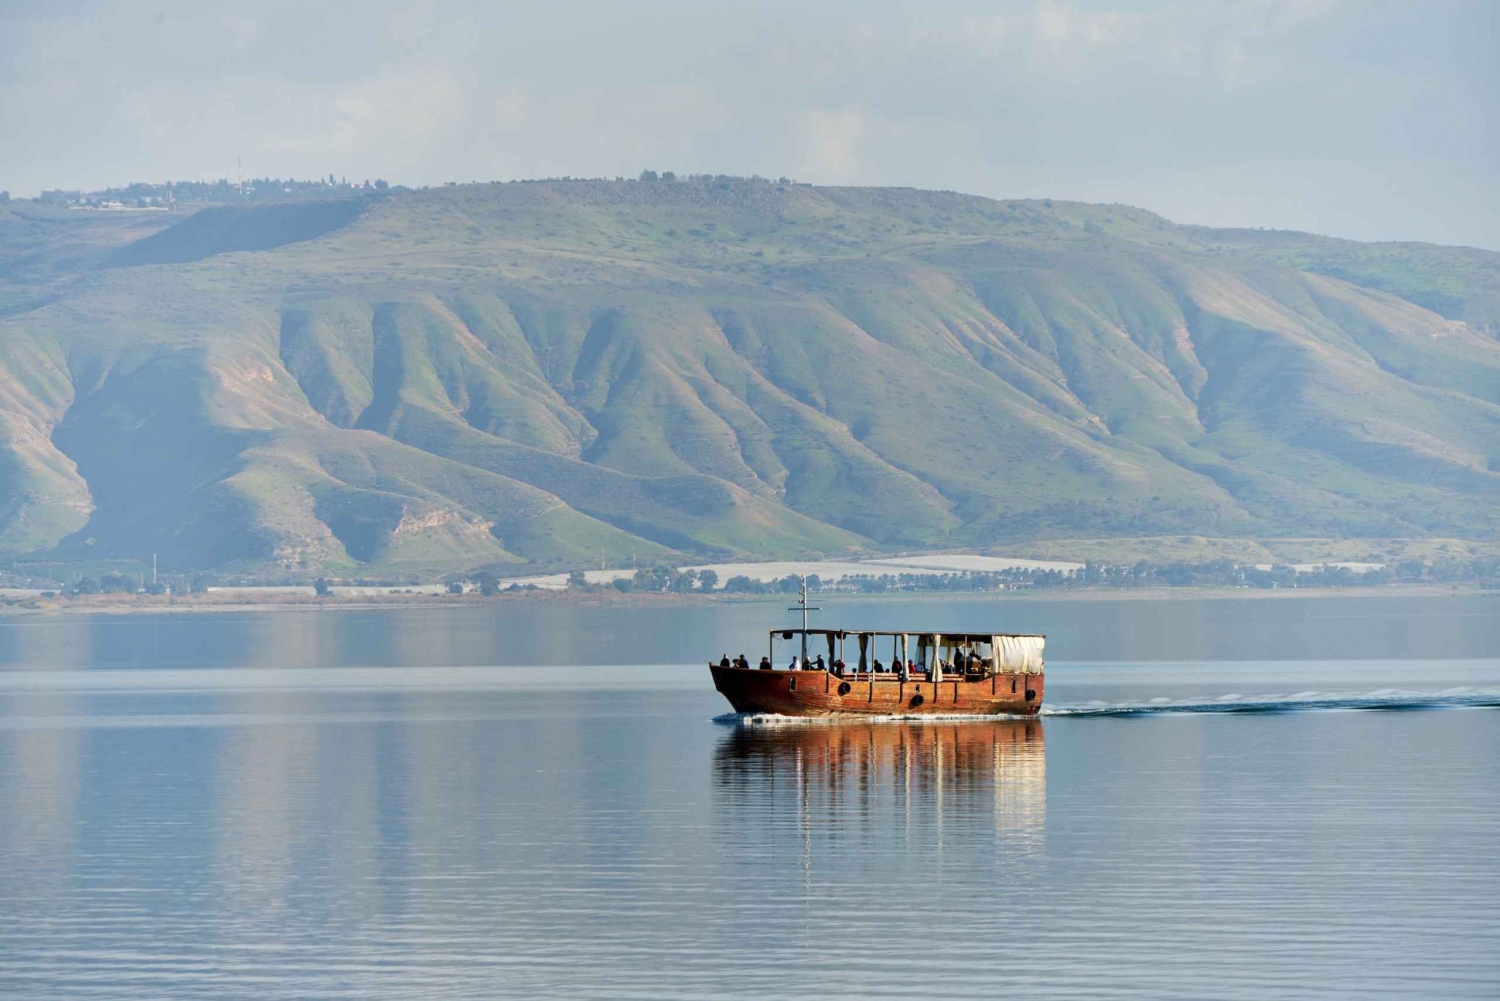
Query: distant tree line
1143, 573
113, 582
668, 176
146, 194
1179, 573
653, 580
662, 579
663, 177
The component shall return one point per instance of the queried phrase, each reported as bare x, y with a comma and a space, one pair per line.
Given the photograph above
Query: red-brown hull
819, 693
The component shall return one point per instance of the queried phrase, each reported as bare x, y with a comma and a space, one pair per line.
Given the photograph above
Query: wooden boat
963, 674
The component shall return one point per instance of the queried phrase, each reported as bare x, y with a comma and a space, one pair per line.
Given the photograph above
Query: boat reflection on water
933, 780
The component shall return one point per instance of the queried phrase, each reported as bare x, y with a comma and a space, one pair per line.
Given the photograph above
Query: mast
804, 608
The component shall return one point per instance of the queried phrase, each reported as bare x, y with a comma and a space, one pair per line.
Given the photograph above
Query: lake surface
1225, 798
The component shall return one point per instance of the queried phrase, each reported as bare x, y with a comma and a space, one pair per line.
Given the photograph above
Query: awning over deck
1009, 653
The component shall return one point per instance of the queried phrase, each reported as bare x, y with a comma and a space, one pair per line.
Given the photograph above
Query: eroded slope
566, 372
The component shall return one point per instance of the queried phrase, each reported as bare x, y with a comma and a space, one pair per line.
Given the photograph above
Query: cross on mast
804, 608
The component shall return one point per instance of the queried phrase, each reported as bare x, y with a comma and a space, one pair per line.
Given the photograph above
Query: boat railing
930, 654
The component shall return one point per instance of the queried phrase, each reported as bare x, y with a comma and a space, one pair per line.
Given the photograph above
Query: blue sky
1361, 118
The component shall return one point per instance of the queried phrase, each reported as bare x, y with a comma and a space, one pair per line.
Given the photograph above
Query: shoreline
199, 604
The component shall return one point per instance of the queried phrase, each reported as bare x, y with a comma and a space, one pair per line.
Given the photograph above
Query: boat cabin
857, 654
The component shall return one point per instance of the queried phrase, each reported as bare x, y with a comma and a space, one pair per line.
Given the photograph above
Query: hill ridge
535, 373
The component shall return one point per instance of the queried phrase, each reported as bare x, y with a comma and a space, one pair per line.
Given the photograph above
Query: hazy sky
1361, 118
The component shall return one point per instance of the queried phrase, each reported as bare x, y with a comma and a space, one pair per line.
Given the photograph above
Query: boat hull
820, 693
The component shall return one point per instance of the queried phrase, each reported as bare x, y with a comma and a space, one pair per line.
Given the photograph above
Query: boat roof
959, 637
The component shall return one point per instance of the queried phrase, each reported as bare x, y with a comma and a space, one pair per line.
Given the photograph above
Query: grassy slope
551, 372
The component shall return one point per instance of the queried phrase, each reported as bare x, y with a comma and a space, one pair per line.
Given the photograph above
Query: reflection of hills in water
970, 773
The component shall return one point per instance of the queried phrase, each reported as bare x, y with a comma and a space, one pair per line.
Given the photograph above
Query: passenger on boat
838, 667
818, 664
765, 663
724, 660
878, 667
795, 665
742, 662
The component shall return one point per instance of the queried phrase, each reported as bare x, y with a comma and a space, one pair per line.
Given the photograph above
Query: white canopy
1018, 654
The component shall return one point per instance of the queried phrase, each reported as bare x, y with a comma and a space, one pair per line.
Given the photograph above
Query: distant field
830, 570
1261, 551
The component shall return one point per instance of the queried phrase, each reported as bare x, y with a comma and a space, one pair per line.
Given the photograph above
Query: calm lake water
1225, 798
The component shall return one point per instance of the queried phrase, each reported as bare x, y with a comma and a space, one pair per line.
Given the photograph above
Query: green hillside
555, 373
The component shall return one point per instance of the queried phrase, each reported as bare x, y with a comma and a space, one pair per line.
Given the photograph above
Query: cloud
1050, 25
831, 141
414, 107
1059, 23
242, 30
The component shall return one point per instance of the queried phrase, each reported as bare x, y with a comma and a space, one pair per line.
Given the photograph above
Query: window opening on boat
933, 657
